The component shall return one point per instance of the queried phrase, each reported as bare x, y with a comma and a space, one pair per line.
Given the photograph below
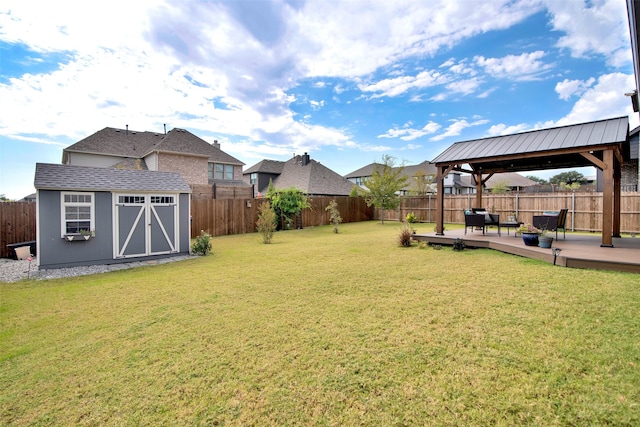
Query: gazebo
603, 144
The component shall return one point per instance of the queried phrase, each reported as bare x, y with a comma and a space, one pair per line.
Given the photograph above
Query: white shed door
145, 224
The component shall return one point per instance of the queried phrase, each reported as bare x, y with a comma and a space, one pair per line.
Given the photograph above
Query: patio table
509, 225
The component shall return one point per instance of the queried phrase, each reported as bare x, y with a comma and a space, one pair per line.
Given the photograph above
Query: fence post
573, 210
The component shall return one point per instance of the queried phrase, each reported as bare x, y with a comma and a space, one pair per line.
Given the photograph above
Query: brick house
202, 165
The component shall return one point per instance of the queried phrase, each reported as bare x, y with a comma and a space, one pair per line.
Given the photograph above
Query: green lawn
324, 329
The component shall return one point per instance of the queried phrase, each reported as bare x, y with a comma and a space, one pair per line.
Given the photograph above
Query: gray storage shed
89, 215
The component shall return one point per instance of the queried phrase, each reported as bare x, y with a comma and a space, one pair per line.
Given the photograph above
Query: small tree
384, 185
287, 203
568, 178
500, 187
334, 215
266, 223
422, 183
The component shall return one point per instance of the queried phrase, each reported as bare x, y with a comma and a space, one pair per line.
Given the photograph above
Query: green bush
202, 245
411, 218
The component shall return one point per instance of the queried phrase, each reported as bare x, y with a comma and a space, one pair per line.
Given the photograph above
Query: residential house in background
301, 172
199, 163
454, 183
513, 181
424, 171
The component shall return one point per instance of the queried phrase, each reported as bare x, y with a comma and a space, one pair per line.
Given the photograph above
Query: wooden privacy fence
585, 209
237, 216
18, 222
233, 216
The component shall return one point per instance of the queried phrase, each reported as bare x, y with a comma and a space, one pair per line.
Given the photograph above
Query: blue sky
347, 82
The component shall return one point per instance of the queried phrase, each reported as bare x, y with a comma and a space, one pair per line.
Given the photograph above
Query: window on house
77, 212
253, 178
220, 171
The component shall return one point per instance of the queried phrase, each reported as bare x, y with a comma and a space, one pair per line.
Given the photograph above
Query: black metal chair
487, 219
552, 222
473, 220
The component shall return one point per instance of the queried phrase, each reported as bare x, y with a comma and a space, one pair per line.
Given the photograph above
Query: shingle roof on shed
81, 178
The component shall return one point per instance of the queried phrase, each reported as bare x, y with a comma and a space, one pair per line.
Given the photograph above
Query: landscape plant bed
320, 328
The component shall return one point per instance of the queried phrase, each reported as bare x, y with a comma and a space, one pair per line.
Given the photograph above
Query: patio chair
552, 222
473, 220
489, 218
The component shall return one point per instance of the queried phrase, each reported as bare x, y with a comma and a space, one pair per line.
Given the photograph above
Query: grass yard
324, 329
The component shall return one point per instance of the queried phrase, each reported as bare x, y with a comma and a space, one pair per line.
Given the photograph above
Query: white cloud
603, 100
464, 86
409, 134
502, 129
568, 88
400, 85
456, 127
316, 105
527, 66
592, 27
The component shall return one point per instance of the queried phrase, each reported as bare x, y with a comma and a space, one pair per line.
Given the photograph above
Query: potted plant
530, 234
544, 240
86, 234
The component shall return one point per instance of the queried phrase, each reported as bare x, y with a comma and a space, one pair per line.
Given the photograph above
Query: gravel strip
12, 271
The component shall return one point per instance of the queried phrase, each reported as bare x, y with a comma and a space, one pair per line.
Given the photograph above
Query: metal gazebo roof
552, 148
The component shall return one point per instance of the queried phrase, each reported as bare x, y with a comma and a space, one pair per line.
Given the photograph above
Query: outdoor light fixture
634, 100
555, 252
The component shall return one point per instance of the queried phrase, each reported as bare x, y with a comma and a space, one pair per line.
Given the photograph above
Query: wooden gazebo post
440, 201
607, 199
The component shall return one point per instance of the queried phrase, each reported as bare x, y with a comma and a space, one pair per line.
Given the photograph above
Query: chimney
305, 159
165, 128
216, 144
127, 130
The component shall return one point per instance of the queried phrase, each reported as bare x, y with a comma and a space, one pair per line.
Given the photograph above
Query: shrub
411, 218
266, 224
334, 215
202, 245
459, 245
404, 239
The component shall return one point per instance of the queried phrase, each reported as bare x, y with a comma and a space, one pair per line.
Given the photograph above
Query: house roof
558, 147
82, 178
363, 171
311, 177
427, 167
133, 144
266, 166
510, 179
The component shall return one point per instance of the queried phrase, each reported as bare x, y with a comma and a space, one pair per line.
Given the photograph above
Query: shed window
77, 212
